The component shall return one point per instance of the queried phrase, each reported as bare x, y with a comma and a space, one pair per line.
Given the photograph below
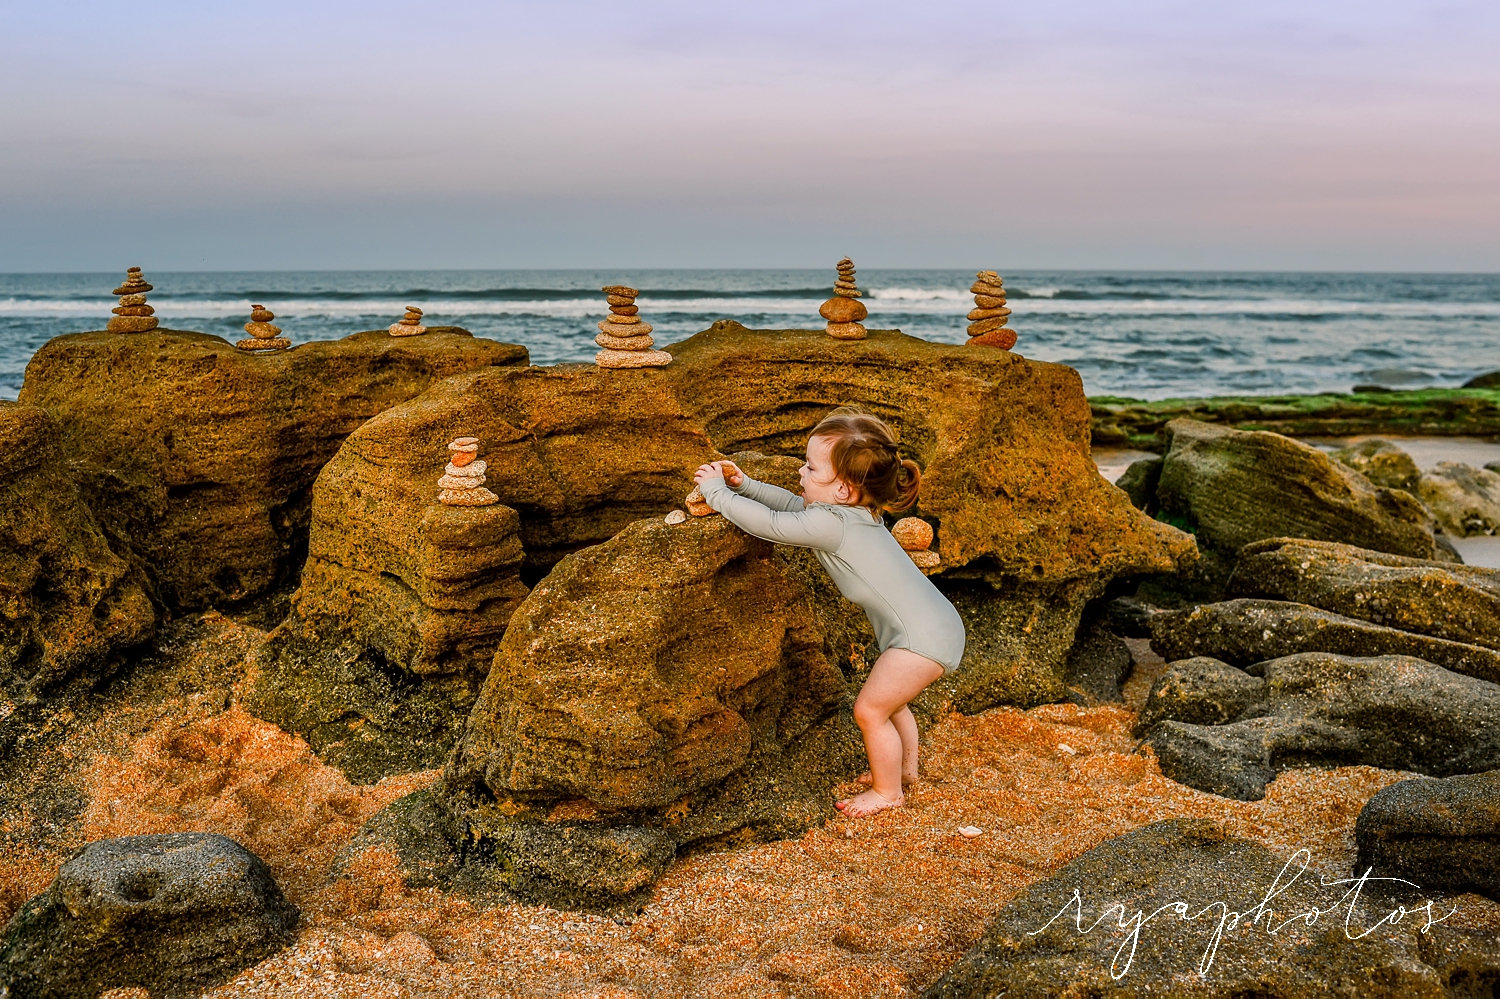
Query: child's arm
814, 528
766, 494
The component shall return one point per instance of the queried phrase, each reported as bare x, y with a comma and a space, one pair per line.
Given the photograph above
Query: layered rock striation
202, 457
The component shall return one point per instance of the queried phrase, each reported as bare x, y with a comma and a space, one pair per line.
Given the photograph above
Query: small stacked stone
987, 320
263, 336
914, 535
409, 324
132, 315
844, 310
625, 337
697, 505
462, 483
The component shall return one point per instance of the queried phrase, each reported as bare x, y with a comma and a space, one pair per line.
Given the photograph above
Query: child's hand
731, 472
708, 471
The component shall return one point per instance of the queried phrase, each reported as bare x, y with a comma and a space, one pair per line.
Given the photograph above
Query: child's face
819, 484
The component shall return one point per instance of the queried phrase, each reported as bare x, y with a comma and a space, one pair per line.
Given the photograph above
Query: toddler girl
852, 472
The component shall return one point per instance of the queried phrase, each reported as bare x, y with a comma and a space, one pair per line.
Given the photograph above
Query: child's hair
864, 457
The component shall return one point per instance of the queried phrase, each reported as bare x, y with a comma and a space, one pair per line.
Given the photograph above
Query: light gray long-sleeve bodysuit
867, 565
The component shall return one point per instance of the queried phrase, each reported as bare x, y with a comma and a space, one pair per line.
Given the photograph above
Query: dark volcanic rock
1183, 880
68, 601
1436, 833
173, 913
1244, 632
1236, 487
1202, 691
1382, 462
204, 455
1457, 602
1393, 712
1096, 665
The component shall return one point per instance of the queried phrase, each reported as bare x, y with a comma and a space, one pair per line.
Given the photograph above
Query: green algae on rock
70, 598
1428, 412
204, 455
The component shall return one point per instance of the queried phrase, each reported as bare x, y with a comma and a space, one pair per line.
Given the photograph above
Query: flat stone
999, 312
845, 293
926, 559
401, 329
632, 358
996, 290
1004, 338
472, 496
989, 301
984, 326
258, 344
696, 505
173, 913
132, 324
461, 458
132, 299
846, 331
624, 329
621, 291
262, 331
466, 444
643, 342
461, 481
624, 320
133, 310
473, 470
625, 300
261, 314
132, 288
843, 310
624, 310
676, 517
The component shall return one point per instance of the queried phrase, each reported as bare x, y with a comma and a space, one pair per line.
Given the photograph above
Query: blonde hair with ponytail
864, 457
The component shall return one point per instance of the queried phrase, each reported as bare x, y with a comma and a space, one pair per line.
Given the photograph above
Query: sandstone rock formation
1382, 462
1057, 937
1234, 487
1030, 531
1244, 632
201, 457
462, 483
71, 599
844, 310
988, 317
1321, 709
624, 337
914, 535
1456, 602
132, 315
173, 913
1465, 500
263, 336
409, 324
1440, 834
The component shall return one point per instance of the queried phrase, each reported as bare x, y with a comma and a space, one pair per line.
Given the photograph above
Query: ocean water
1149, 334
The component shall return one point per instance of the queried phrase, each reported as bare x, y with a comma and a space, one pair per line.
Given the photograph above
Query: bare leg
897, 676
906, 726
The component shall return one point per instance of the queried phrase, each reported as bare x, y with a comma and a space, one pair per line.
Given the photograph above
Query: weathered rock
1393, 712
69, 603
1457, 602
204, 456
670, 685
1202, 691
1437, 833
1465, 500
1382, 462
1030, 530
1204, 914
173, 913
1245, 631
1139, 482
1490, 379
1236, 487
1096, 665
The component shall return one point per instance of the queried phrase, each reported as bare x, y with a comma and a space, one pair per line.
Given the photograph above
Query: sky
1065, 134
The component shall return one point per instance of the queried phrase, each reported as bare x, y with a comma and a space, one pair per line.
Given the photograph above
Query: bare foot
907, 780
868, 803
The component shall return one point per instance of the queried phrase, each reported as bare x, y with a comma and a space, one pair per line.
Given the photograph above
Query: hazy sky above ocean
290, 134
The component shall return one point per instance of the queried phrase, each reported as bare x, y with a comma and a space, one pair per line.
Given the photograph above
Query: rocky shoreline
562, 744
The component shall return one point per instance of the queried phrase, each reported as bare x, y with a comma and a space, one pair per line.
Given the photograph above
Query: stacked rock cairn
263, 336
914, 535
409, 324
987, 320
697, 505
624, 337
844, 310
462, 483
132, 315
